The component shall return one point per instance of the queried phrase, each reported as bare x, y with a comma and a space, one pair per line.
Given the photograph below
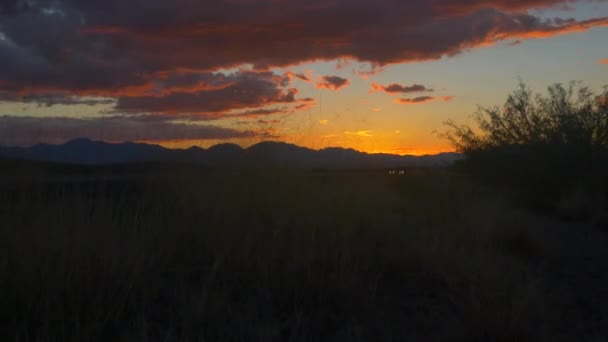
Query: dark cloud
398, 88
466, 6
423, 99
158, 117
56, 99
299, 76
394, 89
16, 130
252, 113
12, 7
211, 94
332, 83
206, 95
156, 55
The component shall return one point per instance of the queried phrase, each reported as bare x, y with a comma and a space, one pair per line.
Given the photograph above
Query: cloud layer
398, 88
211, 94
332, 83
25, 131
166, 57
423, 99
117, 47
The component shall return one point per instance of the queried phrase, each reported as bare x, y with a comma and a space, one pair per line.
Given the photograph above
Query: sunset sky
374, 75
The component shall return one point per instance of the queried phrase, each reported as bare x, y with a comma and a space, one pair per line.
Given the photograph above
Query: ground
177, 253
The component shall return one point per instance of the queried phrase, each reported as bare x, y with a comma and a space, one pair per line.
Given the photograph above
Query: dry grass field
180, 253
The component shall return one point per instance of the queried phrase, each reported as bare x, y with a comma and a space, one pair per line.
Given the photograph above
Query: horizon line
159, 144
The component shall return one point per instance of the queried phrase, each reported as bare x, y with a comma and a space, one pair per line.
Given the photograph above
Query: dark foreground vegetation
186, 254
552, 148
483, 251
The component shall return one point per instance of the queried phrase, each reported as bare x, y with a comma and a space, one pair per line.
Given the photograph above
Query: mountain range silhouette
264, 154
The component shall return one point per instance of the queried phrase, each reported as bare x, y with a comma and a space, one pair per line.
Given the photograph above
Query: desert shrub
543, 146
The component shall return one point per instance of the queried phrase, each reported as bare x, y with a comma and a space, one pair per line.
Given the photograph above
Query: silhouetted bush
552, 149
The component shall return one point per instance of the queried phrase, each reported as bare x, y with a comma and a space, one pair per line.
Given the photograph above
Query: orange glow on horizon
412, 151
185, 144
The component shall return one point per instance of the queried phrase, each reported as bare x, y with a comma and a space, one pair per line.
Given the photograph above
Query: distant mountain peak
226, 147
273, 143
263, 154
276, 146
